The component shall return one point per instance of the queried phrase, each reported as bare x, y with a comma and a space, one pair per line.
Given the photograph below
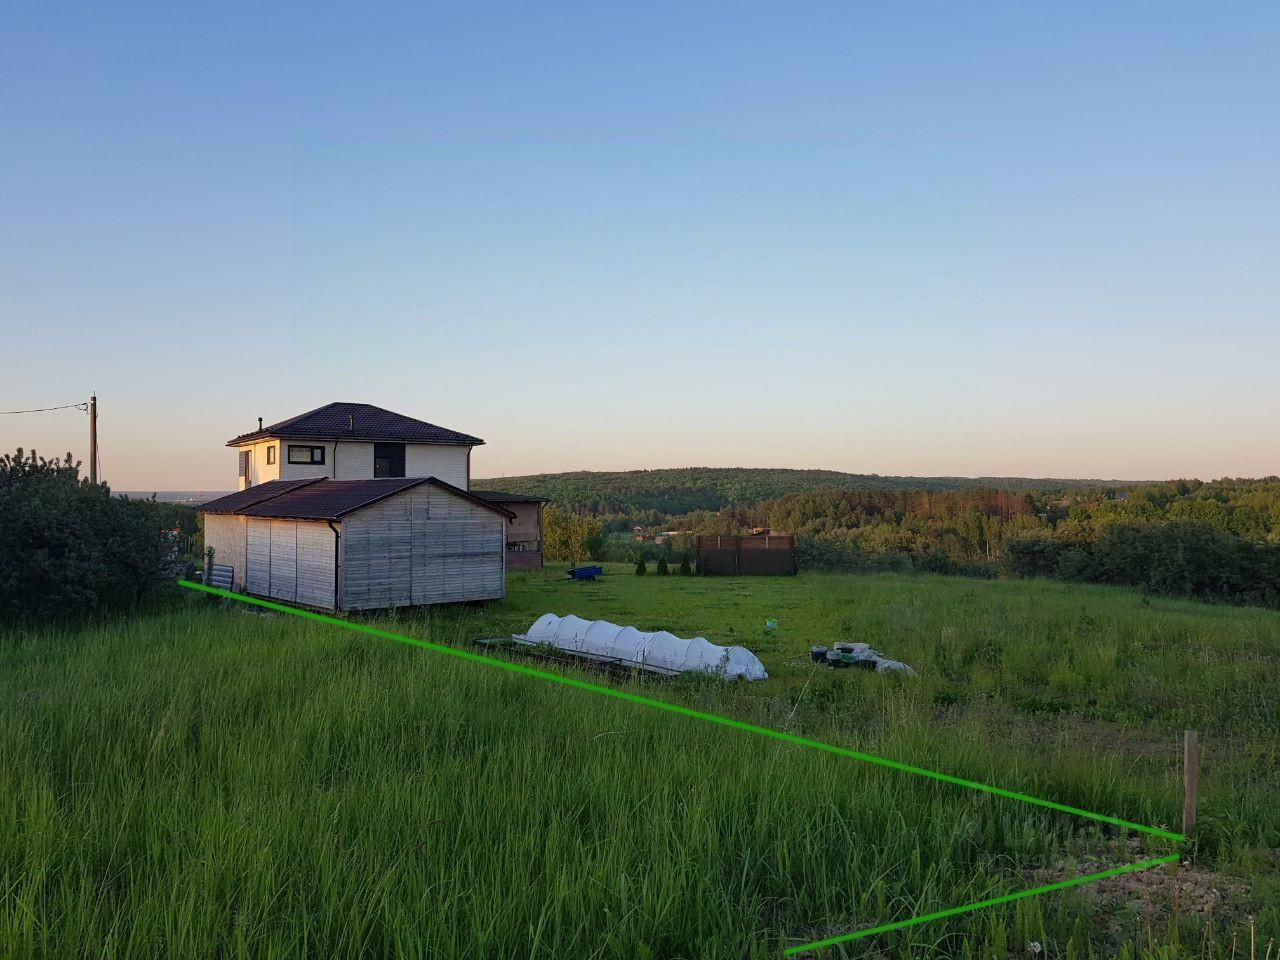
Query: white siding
443, 461
306, 471
353, 460
423, 546
259, 470
226, 534
527, 524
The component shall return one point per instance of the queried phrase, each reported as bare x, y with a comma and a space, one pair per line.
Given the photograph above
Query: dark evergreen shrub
69, 549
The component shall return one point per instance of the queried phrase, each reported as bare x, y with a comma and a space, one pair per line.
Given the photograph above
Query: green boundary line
994, 901
760, 731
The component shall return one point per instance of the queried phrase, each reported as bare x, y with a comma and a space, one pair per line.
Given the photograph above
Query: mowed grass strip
215, 782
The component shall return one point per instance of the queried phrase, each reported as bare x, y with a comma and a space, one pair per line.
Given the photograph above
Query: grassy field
219, 782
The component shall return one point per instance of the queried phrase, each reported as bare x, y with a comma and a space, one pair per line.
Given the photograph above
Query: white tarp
663, 650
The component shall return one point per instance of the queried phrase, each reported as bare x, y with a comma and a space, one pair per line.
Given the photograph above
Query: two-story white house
353, 507
353, 441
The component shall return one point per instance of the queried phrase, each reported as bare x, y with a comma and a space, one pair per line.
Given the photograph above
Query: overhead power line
83, 405
90, 407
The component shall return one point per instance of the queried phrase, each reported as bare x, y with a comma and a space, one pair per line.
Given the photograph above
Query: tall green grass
217, 782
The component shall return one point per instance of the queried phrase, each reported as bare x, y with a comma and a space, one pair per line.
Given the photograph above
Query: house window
299, 454
271, 455
244, 463
388, 459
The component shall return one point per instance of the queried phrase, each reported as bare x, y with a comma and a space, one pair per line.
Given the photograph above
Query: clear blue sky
934, 238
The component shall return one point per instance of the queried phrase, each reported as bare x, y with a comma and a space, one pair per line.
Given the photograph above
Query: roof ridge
363, 421
413, 482
299, 416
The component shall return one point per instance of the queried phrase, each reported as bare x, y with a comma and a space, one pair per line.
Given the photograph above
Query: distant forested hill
681, 491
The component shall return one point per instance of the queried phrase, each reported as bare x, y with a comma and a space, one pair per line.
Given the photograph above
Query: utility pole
93, 439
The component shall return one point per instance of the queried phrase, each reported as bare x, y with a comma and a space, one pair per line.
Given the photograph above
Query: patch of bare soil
1155, 900
1145, 905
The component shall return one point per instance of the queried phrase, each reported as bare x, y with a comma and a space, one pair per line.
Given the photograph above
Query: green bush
1179, 558
70, 549
686, 569
641, 569
662, 567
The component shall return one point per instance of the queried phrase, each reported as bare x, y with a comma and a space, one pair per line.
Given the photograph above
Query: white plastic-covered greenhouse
659, 651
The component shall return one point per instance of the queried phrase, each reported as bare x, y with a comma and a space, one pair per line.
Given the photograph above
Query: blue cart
586, 573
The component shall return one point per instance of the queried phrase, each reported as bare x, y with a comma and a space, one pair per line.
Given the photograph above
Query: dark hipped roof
497, 496
356, 421
324, 499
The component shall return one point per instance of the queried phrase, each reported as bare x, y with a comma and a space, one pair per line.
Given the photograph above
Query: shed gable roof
325, 499
356, 421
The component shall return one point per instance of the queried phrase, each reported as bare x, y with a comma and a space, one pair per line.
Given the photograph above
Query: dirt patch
1152, 900
1162, 892
1144, 905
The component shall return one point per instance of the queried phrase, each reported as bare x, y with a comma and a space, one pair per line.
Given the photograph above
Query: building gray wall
422, 546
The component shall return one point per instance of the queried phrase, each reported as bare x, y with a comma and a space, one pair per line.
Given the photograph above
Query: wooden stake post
1190, 779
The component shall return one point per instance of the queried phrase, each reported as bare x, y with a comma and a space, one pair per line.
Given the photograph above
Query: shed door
291, 560
316, 565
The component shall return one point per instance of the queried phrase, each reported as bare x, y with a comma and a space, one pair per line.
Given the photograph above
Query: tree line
676, 492
1217, 541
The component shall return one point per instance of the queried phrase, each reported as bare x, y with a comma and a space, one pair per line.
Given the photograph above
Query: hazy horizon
477, 479
998, 241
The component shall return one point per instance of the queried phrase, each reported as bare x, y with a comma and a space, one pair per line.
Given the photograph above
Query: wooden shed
360, 544
524, 533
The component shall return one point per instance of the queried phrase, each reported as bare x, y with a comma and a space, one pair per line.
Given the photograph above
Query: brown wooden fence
766, 554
